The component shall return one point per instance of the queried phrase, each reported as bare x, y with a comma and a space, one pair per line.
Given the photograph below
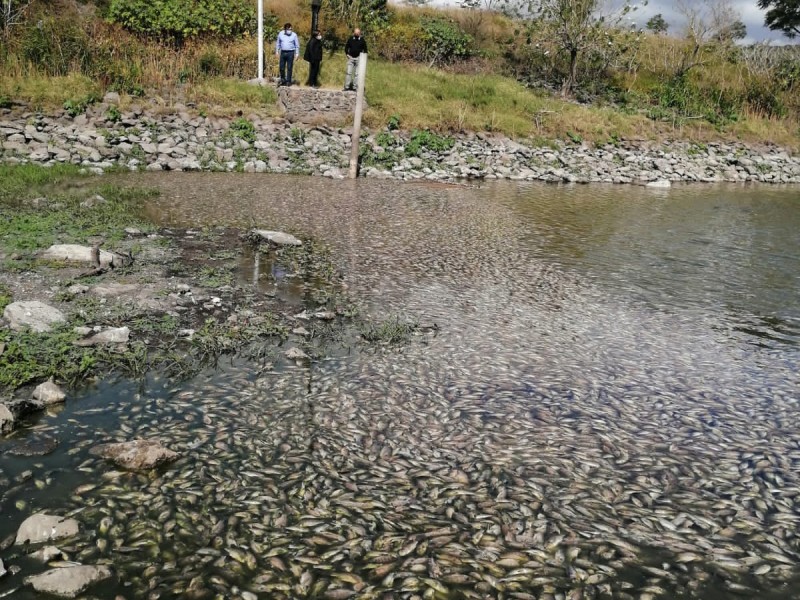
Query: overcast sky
751, 15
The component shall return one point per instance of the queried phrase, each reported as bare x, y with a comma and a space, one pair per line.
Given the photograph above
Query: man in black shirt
353, 48
314, 57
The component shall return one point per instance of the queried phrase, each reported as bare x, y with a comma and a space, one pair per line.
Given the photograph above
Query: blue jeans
285, 66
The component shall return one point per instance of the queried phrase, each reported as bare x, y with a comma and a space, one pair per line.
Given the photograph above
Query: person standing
287, 48
313, 55
355, 45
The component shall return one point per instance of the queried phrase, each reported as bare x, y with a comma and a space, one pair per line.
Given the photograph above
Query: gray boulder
32, 314
278, 238
75, 253
6, 419
46, 554
68, 582
49, 393
112, 335
42, 527
136, 455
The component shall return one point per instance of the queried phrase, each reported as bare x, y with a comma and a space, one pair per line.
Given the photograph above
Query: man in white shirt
287, 48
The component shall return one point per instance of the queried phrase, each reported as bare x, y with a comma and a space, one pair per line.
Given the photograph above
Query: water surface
608, 407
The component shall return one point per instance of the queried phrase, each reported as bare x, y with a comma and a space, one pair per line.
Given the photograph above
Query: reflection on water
607, 410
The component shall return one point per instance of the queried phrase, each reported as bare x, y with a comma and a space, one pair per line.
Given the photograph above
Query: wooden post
362, 75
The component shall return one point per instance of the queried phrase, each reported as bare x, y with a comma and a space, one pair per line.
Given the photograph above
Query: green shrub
423, 139
401, 42
386, 140
177, 20
77, 106
787, 74
113, 114
444, 42
210, 63
56, 47
762, 98
243, 129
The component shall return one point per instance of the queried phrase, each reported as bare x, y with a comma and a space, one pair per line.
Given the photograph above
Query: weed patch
389, 331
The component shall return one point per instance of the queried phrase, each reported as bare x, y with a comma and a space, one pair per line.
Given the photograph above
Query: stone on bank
42, 527
68, 582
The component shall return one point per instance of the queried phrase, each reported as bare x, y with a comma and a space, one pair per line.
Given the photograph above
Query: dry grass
212, 75
42, 92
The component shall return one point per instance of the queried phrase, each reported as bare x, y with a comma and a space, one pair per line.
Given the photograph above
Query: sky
752, 17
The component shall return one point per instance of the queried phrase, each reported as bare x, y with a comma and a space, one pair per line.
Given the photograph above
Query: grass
61, 219
424, 98
5, 298
30, 356
439, 100
42, 92
389, 331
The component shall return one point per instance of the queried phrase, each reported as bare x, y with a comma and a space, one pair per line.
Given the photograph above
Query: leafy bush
177, 20
423, 139
243, 129
401, 42
443, 41
762, 98
386, 140
113, 114
77, 106
435, 40
210, 63
678, 98
787, 74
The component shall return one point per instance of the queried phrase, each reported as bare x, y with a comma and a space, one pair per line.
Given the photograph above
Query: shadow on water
608, 409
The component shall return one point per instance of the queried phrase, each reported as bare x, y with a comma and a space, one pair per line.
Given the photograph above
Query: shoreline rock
136, 455
144, 139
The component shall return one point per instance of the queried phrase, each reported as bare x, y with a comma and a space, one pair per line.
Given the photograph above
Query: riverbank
106, 136
90, 286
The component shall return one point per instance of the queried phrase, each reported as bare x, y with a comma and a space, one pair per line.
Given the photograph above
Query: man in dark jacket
353, 48
313, 55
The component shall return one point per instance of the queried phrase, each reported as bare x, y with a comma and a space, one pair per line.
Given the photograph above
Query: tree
707, 20
12, 13
579, 25
782, 15
657, 24
731, 33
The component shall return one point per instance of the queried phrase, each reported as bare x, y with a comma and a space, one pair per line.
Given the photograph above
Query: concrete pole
260, 40
362, 75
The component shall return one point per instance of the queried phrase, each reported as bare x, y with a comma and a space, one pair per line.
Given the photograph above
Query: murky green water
607, 410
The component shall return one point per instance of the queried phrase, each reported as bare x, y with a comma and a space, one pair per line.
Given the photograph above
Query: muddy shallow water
608, 407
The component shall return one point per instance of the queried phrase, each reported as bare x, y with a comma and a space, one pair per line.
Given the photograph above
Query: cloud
751, 15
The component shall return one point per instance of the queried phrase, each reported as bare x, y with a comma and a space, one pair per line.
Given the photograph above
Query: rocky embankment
150, 138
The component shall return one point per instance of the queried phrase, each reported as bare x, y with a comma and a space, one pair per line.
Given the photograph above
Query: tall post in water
315, 6
362, 75
260, 40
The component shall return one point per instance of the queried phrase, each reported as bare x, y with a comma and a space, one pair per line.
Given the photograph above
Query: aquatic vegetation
392, 330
